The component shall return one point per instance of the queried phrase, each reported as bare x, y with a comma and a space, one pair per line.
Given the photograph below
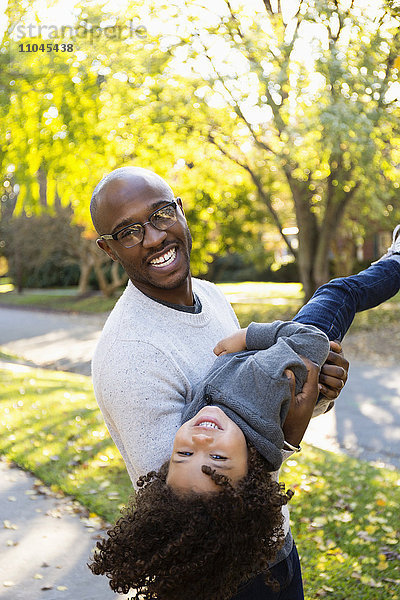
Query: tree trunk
42, 179
85, 268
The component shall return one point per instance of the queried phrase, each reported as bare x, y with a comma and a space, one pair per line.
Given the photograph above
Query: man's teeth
208, 424
165, 259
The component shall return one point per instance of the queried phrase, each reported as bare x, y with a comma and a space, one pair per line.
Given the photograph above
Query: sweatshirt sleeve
306, 340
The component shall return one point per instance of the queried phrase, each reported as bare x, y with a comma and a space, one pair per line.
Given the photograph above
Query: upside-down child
181, 539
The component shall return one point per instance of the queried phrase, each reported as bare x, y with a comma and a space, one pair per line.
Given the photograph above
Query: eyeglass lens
161, 219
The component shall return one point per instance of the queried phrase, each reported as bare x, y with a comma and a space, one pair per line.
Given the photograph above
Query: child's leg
333, 306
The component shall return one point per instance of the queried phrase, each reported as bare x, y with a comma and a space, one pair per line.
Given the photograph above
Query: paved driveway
50, 339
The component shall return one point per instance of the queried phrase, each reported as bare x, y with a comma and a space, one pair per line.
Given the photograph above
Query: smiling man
158, 341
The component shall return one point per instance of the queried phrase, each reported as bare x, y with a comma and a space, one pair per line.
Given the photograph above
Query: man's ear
102, 244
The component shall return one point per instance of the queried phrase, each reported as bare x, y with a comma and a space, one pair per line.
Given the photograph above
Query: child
179, 543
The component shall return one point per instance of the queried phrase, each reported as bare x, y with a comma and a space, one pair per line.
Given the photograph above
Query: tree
255, 114
318, 129
71, 117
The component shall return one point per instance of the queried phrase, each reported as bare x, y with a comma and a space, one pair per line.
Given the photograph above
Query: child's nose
202, 439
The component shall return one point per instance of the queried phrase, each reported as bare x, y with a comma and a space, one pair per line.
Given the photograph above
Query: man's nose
152, 236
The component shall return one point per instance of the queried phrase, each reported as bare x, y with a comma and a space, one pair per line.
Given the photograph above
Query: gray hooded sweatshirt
251, 387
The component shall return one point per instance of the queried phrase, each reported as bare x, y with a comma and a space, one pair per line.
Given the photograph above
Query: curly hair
166, 544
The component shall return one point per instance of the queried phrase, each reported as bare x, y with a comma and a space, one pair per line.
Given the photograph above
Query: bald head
135, 179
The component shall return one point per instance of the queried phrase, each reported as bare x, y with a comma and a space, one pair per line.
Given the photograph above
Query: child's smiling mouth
208, 425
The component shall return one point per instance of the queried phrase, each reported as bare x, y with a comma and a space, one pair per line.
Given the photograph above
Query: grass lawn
57, 299
345, 513
252, 301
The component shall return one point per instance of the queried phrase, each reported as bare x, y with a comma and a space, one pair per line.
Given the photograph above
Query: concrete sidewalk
46, 540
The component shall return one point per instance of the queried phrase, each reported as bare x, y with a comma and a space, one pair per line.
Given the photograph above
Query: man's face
161, 262
211, 438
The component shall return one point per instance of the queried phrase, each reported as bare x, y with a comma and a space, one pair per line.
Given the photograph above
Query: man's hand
233, 343
334, 372
301, 406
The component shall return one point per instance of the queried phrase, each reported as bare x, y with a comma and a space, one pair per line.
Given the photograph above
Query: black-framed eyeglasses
133, 234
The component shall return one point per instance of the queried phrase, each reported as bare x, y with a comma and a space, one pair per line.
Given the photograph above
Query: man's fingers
334, 371
337, 359
336, 347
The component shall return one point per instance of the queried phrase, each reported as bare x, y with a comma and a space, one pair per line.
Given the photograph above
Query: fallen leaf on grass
370, 581
389, 554
363, 535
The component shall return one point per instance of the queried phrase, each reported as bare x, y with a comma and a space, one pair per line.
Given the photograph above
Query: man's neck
181, 295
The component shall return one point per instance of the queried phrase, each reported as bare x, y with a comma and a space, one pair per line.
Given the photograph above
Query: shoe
395, 247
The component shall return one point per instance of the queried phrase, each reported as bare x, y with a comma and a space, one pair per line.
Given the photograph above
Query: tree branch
237, 107
262, 194
268, 7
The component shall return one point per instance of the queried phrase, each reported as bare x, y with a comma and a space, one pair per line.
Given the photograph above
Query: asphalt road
364, 423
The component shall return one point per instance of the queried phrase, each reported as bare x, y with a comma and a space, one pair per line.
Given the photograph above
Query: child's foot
395, 247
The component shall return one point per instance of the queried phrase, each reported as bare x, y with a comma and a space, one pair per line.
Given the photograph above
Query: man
158, 341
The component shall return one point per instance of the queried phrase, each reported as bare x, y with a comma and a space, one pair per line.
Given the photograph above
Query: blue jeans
334, 305
288, 575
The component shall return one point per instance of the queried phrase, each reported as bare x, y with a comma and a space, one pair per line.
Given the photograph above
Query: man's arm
301, 405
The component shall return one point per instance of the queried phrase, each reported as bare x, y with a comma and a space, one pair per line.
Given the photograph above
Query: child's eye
217, 457
181, 453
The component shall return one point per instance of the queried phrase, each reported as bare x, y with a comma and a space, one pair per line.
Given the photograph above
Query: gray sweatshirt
251, 387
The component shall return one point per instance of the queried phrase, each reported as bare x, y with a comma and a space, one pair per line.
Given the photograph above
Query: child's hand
233, 343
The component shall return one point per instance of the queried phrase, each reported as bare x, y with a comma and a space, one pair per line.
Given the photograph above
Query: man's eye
217, 457
181, 453
131, 231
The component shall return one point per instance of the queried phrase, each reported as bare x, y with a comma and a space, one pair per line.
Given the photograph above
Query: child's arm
333, 374
233, 343
303, 339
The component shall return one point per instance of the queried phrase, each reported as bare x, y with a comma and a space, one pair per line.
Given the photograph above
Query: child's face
210, 438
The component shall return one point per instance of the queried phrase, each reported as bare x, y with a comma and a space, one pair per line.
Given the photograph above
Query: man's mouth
165, 259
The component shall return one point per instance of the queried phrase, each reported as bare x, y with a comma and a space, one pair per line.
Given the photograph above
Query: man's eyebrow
131, 221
